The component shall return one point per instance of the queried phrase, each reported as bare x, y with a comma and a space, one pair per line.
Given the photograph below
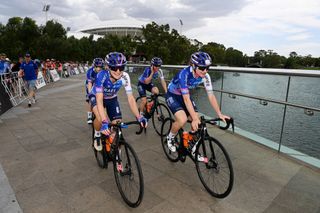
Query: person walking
29, 70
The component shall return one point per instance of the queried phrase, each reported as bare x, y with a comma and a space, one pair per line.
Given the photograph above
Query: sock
171, 135
96, 133
89, 114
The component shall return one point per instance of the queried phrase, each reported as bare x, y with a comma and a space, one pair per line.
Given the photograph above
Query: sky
247, 25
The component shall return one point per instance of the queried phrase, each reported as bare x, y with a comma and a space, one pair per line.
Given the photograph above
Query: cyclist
145, 81
179, 100
97, 65
105, 89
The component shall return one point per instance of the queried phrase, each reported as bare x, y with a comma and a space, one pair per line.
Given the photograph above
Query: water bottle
149, 106
185, 138
109, 142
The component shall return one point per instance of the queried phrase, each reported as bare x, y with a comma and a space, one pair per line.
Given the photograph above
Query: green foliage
50, 41
216, 51
234, 57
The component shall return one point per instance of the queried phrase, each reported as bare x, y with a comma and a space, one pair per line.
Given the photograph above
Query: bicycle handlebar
126, 124
214, 122
228, 122
156, 95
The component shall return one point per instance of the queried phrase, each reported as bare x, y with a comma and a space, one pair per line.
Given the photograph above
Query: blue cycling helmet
155, 61
201, 59
98, 62
116, 59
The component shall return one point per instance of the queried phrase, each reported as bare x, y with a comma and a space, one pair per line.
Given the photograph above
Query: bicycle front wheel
215, 168
160, 113
128, 174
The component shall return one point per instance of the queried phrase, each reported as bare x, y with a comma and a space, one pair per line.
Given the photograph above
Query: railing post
284, 113
221, 90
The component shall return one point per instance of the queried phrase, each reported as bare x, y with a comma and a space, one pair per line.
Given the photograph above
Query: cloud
262, 25
247, 25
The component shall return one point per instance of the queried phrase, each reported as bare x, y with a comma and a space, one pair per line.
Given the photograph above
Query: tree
216, 51
29, 34
54, 30
234, 57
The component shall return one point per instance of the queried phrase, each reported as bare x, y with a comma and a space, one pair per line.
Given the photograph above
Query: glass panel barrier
261, 120
301, 133
267, 86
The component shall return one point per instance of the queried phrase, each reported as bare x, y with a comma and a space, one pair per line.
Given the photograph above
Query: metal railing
15, 87
289, 73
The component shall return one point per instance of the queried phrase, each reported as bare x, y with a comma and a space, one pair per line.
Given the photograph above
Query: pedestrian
29, 70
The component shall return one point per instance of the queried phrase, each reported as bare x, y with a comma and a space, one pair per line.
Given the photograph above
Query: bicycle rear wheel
160, 113
215, 172
165, 129
128, 175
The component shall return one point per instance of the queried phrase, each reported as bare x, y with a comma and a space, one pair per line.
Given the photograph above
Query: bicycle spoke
129, 179
216, 174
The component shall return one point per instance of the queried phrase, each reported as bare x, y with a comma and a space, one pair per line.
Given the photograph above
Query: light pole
45, 9
181, 24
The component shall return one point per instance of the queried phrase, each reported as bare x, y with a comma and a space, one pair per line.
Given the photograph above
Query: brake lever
232, 124
228, 121
140, 130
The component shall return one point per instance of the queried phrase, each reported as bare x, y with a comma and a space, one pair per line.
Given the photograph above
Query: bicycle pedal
119, 167
205, 160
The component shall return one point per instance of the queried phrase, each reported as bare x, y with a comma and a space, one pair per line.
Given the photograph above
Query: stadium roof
79, 35
129, 22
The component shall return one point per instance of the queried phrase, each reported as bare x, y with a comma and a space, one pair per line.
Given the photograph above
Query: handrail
267, 71
263, 71
277, 144
268, 99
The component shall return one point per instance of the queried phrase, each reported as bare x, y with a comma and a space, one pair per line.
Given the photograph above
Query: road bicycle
212, 161
126, 165
155, 110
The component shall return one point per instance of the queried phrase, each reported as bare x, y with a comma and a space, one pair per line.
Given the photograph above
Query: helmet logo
207, 62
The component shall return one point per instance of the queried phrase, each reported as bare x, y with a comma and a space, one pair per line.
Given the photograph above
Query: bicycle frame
117, 129
202, 134
155, 100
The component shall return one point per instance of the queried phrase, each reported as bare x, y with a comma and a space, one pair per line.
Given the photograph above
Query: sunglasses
98, 66
121, 68
203, 68
157, 65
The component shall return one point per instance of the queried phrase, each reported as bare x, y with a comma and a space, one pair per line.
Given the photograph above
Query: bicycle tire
213, 151
165, 129
158, 116
129, 161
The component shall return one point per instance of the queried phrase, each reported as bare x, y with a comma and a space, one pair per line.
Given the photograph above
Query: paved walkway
46, 155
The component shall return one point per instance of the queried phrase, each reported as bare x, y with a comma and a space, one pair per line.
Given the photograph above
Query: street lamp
45, 9
181, 24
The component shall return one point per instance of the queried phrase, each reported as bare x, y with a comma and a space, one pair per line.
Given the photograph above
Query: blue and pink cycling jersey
184, 80
180, 85
103, 84
142, 86
91, 77
147, 72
